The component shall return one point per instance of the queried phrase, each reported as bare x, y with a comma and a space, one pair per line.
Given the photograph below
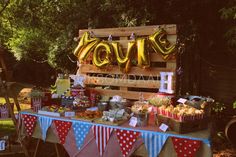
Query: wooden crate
137, 80
183, 127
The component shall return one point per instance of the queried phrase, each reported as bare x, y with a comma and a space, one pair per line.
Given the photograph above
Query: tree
43, 31
228, 14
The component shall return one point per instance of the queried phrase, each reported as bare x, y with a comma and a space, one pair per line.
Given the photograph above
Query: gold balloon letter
85, 46
160, 43
123, 60
143, 54
100, 58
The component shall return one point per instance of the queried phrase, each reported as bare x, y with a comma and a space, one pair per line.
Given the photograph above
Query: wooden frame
137, 80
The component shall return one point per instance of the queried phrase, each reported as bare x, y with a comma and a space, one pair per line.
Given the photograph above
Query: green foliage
234, 105
218, 107
44, 30
228, 14
29, 43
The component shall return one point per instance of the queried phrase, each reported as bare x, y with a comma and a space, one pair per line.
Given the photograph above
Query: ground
221, 147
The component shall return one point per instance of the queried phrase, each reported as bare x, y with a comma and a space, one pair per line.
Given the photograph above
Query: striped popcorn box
193, 117
186, 118
175, 116
36, 103
202, 115
159, 111
4, 111
164, 112
199, 116
181, 118
169, 114
172, 115
190, 117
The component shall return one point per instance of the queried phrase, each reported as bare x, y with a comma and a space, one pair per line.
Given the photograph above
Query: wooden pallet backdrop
137, 80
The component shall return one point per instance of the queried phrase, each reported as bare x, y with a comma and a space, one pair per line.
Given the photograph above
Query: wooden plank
125, 94
157, 57
124, 41
127, 31
124, 46
124, 38
122, 82
124, 77
112, 69
170, 65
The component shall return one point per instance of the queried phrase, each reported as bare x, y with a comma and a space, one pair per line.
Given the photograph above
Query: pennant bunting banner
154, 143
102, 135
30, 123
45, 123
126, 140
62, 128
80, 131
185, 147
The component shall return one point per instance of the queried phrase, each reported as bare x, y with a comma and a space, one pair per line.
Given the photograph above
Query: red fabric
62, 128
126, 140
30, 123
186, 147
102, 135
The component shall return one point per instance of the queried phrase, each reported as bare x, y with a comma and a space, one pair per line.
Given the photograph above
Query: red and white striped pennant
102, 135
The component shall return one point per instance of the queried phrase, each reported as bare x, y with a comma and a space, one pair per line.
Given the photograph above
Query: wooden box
183, 127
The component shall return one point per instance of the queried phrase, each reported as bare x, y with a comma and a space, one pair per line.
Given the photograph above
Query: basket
198, 101
183, 127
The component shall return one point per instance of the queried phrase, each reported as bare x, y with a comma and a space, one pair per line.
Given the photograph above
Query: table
90, 147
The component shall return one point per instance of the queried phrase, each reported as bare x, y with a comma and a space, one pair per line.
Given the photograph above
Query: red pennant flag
62, 128
185, 147
126, 139
102, 135
30, 123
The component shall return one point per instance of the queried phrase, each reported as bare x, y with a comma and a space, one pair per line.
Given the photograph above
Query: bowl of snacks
141, 111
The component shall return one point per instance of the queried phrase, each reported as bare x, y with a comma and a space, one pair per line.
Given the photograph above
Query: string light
71, 59
40, 62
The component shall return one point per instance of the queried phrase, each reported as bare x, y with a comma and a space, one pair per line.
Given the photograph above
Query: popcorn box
169, 114
36, 103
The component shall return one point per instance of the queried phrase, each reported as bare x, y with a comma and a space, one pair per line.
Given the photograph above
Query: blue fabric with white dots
80, 131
